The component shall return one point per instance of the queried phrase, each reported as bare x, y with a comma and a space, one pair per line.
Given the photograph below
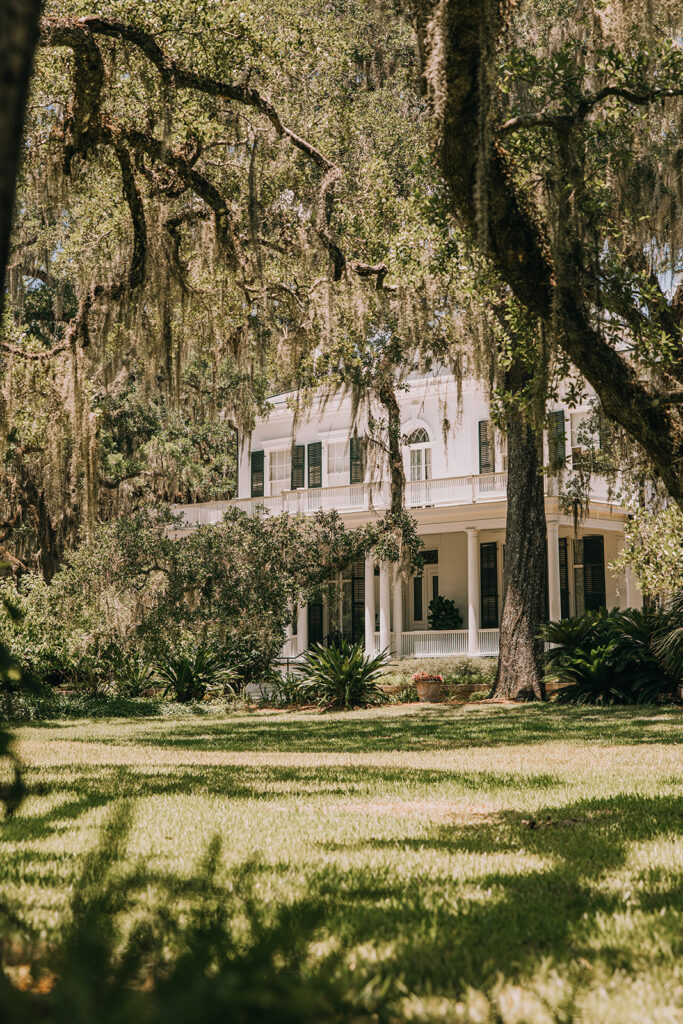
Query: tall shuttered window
315, 622
487, 458
564, 578
358, 601
280, 470
488, 562
298, 466
418, 613
556, 440
594, 573
357, 473
315, 464
257, 474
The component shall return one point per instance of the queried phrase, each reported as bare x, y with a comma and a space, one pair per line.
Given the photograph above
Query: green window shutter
315, 464
418, 612
357, 460
488, 565
564, 578
257, 474
298, 466
556, 440
315, 622
594, 573
487, 459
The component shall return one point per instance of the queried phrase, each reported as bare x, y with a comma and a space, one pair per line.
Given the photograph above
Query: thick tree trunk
520, 664
18, 37
457, 43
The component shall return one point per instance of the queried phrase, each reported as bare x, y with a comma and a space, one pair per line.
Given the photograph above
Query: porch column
473, 590
554, 600
398, 612
288, 640
302, 627
369, 606
384, 606
631, 600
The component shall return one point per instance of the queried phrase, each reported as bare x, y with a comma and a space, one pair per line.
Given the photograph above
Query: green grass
516, 864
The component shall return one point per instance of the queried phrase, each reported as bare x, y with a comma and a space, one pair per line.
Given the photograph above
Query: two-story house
455, 465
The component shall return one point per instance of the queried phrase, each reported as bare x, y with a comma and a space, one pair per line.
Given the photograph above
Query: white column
384, 606
288, 640
631, 598
369, 606
302, 627
398, 613
554, 600
473, 590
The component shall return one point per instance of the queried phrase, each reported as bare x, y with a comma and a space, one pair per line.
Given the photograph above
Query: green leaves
342, 676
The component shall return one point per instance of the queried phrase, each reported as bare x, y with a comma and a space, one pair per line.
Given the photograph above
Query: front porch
373, 603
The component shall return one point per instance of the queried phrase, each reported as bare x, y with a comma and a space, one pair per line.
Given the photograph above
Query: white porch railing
452, 490
489, 641
431, 643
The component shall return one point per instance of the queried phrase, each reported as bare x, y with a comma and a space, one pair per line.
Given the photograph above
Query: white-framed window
338, 466
420, 455
280, 470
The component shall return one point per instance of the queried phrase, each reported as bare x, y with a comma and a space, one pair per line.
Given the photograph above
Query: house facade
455, 466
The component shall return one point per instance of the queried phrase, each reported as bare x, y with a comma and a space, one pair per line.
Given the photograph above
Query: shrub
342, 676
668, 644
195, 673
134, 675
442, 614
607, 658
456, 670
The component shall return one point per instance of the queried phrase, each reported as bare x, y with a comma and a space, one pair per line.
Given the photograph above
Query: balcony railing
452, 490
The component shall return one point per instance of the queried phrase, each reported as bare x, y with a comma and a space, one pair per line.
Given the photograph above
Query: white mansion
456, 484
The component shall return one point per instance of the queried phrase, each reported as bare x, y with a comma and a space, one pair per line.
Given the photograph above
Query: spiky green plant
193, 673
342, 675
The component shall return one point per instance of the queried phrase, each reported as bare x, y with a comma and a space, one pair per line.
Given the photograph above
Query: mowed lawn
481, 863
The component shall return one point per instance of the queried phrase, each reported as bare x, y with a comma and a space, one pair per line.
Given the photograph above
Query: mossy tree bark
520, 662
18, 38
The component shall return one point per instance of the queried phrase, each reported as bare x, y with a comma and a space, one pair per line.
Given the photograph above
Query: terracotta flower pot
429, 691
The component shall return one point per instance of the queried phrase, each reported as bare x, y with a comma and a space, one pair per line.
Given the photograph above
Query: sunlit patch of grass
514, 864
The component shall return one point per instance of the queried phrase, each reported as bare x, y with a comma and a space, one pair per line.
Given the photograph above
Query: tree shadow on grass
432, 729
449, 932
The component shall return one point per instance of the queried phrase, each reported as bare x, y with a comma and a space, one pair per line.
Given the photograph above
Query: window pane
416, 464
280, 470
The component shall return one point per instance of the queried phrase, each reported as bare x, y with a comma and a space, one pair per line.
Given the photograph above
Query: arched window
420, 455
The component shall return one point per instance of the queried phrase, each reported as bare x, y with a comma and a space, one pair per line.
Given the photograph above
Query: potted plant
428, 685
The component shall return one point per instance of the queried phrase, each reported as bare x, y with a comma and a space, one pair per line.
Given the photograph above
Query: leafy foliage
608, 657
443, 614
342, 675
195, 672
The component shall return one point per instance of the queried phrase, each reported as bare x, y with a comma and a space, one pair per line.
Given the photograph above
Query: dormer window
420, 449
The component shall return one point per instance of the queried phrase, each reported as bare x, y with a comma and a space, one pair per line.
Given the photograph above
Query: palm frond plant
193, 673
668, 644
608, 658
342, 676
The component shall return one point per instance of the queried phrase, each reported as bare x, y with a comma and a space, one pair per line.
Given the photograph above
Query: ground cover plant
463, 863
456, 671
614, 657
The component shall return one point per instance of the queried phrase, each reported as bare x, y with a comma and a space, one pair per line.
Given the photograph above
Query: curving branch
550, 119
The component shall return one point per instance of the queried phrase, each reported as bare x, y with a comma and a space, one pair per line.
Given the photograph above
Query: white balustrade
489, 485
432, 643
489, 641
453, 490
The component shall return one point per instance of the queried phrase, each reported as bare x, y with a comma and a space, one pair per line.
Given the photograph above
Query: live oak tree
558, 133
179, 244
